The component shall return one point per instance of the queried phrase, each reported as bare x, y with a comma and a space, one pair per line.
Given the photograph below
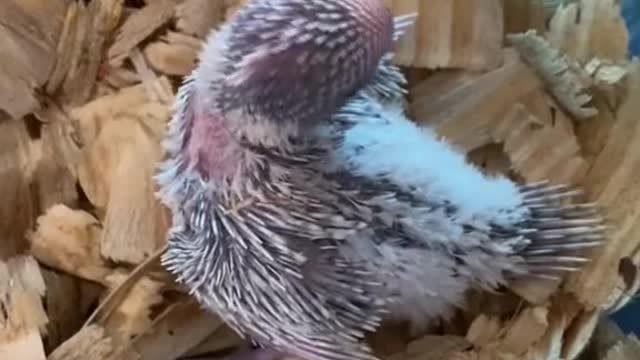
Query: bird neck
228, 150
212, 149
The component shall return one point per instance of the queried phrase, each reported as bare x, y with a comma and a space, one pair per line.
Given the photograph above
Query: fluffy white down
391, 146
424, 281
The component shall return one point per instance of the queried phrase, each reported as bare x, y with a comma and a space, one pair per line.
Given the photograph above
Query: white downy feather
388, 145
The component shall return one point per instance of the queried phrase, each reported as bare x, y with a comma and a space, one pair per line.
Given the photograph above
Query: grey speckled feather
277, 48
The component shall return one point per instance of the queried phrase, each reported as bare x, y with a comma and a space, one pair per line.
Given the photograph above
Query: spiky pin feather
306, 207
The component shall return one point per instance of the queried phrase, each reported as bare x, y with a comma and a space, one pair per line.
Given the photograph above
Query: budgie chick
307, 208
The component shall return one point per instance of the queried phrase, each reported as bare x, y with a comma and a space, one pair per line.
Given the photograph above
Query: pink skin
211, 148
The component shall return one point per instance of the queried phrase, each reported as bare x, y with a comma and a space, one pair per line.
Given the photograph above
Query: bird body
305, 226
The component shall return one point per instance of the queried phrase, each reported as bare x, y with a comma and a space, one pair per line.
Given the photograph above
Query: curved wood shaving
565, 80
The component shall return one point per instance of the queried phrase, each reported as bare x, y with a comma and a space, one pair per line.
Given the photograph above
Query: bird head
300, 60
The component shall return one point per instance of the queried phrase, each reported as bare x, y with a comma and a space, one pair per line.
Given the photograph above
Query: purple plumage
306, 207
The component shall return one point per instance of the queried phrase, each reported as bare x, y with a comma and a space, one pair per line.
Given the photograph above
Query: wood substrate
87, 91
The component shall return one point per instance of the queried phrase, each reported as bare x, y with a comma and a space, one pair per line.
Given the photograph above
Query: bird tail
559, 230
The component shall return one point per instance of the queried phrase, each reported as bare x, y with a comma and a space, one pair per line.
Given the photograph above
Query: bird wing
495, 229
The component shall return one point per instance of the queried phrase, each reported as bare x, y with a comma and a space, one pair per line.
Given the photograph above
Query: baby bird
307, 207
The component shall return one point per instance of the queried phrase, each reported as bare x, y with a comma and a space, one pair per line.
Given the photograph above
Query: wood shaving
563, 79
451, 34
89, 89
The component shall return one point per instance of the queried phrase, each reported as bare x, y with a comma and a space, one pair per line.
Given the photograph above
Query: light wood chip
67, 240
179, 328
138, 27
172, 58
451, 34
95, 25
199, 17
611, 182
29, 32
89, 343
597, 32
565, 79
465, 109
